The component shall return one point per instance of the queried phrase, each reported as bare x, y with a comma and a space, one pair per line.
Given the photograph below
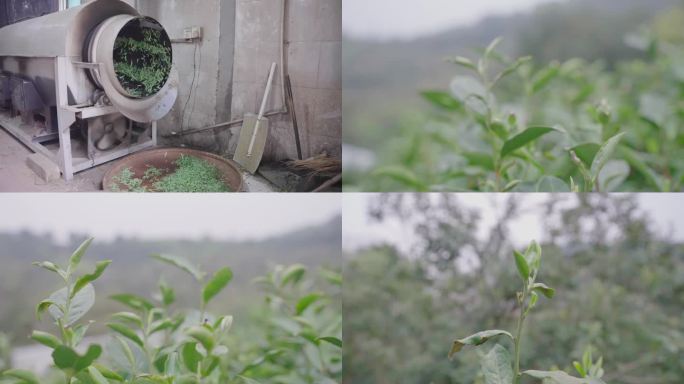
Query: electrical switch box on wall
192, 33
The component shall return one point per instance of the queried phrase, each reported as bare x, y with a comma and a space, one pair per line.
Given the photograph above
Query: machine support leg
65, 119
154, 133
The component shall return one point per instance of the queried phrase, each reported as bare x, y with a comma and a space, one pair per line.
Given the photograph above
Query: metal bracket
85, 65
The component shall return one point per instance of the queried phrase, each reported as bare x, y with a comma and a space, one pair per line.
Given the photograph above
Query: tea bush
515, 126
152, 343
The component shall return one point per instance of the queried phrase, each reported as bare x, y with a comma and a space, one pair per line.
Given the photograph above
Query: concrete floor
16, 176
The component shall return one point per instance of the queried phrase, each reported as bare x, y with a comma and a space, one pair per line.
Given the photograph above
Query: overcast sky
405, 19
186, 216
666, 210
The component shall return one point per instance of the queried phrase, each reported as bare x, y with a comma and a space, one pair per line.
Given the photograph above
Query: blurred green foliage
619, 284
460, 145
311, 246
296, 339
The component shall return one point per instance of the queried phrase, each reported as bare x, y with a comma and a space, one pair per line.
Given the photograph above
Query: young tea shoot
499, 365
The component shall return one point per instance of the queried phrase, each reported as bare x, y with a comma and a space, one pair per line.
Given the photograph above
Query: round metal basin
165, 159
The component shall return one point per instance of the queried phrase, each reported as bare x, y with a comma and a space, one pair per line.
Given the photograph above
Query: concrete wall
314, 62
241, 38
198, 66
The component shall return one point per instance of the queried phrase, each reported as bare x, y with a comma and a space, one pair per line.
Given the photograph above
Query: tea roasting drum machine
58, 82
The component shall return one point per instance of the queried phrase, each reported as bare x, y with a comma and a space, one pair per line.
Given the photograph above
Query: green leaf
51, 267
333, 277
533, 299
223, 323
182, 263
403, 176
635, 161
133, 301
544, 290
209, 364
216, 284
533, 255
80, 304
161, 325
552, 184
332, 340
167, 293
512, 68
67, 359
463, 61
126, 349
85, 279
464, 87
171, 367
75, 258
604, 154
46, 339
94, 351
26, 377
97, 376
586, 152
511, 185
521, 263
191, 357
306, 301
43, 306
560, 377
496, 366
476, 339
527, 136
129, 317
613, 174
442, 100
108, 373
126, 332
483, 160
293, 274
247, 380
491, 47
202, 335
79, 332
544, 77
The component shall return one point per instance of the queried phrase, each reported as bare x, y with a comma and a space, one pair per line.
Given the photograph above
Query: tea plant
67, 306
154, 343
509, 125
305, 327
498, 365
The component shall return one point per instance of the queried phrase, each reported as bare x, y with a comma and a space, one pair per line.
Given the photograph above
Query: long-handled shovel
254, 133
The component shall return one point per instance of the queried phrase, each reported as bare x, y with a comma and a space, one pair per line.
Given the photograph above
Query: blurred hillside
23, 285
382, 79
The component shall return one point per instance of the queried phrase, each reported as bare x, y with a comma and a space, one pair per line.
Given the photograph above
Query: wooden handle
269, 83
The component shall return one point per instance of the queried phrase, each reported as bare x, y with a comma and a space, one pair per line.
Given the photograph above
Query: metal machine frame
65, 33
67, 115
